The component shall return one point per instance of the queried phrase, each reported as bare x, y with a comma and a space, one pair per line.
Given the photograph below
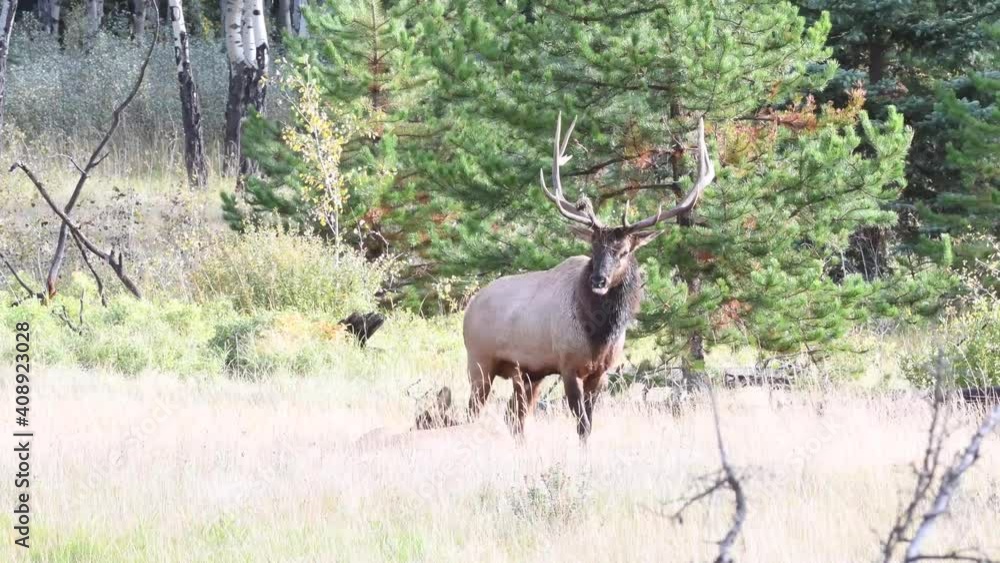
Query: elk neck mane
605, 317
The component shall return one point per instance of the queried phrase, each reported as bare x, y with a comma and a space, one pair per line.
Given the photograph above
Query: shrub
127, 336
971, 332
59, 97
266, 270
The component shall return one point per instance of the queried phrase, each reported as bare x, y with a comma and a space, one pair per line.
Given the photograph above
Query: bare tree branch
725, 478
96, 158
31, 292
97, 278
62, 314
928, 473
925, 473
948, 487
113, 259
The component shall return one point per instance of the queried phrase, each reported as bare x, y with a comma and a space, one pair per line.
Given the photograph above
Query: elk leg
574, 395
517, 408
534, 392
481, 381
592, 389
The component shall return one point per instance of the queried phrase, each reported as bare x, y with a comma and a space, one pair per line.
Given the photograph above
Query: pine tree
363, 59
930, 59
760, 260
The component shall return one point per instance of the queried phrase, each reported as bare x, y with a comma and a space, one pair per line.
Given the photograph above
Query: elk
569, 320
433, 427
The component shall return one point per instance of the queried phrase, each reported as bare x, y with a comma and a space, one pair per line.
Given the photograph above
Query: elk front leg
574, 395
592, 389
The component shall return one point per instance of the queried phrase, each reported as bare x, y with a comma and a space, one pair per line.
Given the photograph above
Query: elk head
612, 246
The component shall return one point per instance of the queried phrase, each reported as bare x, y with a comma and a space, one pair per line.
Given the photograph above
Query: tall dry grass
163, 469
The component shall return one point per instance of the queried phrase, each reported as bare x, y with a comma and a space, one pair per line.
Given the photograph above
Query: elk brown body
570, 320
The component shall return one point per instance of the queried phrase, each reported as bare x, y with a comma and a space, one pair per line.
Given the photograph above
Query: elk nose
598, 281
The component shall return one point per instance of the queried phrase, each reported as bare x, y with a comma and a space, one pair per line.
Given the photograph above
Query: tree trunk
298, 22
258, 56
42, 10
695, 360
95, 14
876, 60
139, 20
285, 16
8, 10
246, 46
232, 15
194, 150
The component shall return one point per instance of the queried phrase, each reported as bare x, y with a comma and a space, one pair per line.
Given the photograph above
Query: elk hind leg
517, 407
481, 374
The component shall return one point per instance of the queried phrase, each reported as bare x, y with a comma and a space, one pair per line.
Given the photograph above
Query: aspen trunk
139, 20
238, 74
95, 13
247, 49
298, 22
258, 55
285, 16
194, 150
55, 18
8, 10
42, 10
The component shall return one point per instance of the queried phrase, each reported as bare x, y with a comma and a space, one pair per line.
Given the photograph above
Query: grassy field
167, 469
191, 427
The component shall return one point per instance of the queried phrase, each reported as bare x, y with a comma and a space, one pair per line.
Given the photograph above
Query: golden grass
159, 469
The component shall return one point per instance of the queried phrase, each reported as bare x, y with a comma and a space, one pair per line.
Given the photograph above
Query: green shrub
977, 355
971, 348
267, 270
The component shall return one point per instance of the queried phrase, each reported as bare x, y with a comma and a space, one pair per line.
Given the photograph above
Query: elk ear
641, 239
583, 233
443, 401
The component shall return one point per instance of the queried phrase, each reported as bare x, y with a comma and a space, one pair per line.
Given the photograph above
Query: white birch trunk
175, 11
95, 13
194, 149
139, 20
248, 33
7, 12
233, 22
285, 15
55, 13
298, 21
260, 35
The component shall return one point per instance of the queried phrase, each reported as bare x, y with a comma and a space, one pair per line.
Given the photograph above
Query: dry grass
159, 469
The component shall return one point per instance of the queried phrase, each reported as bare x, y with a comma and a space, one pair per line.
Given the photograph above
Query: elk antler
567, 209
706, 173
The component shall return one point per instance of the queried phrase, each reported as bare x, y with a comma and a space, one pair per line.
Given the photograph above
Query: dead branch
112, 258
947, 489
725, 478
930, 471
97, 278
95, 159
31, 292
63, 315
925, 473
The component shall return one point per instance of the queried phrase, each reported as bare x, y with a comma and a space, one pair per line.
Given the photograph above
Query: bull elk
570, 320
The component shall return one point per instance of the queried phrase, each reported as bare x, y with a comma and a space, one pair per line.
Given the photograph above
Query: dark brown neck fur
605, 317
